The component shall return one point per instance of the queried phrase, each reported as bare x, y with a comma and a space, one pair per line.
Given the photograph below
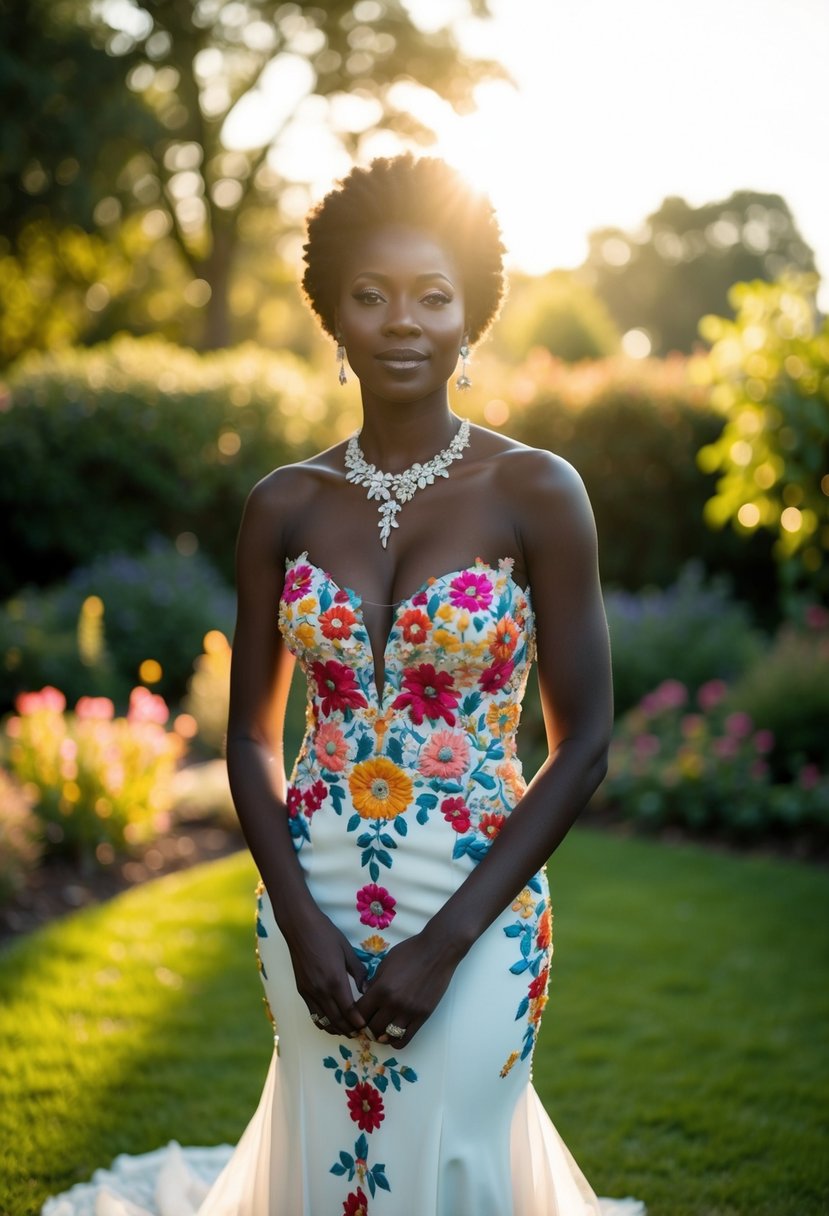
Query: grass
683, 1056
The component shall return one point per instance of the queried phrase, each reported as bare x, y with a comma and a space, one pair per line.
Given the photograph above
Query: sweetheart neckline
424, 586
379, 696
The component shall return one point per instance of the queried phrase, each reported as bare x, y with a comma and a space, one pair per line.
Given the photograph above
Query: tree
269, 73
680, 265
557, 312
770, 373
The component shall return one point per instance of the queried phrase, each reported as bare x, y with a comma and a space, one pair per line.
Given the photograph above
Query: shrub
92, 633
99, 783
208, 691
706, 768
789, 693
632, 428
692, 632
100, 447
21, 843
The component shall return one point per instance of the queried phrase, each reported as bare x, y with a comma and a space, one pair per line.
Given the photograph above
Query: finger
356, 968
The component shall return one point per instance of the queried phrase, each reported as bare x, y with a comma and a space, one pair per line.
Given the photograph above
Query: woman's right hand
323, 959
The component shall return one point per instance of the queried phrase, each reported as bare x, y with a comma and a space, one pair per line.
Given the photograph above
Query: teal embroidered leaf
484, 779
400, 826
353, 823
519, 967
364, 748
522, 1008
394, 750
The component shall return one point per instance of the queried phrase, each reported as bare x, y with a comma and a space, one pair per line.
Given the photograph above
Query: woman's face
401, 313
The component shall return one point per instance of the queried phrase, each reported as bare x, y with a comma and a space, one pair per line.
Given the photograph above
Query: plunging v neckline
356, 601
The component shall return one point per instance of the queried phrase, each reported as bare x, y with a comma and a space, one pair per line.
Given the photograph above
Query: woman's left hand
407, 988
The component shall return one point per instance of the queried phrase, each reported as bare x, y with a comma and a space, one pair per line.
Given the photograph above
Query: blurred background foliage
158, 360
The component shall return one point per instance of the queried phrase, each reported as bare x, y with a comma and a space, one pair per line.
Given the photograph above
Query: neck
396, 436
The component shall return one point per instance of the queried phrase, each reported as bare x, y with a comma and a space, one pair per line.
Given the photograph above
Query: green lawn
683, 1057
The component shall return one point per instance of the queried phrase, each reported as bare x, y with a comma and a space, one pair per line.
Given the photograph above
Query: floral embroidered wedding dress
396, 795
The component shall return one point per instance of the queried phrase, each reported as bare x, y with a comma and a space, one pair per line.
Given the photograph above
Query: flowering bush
21, 842
208, 691
97, 782
705, 767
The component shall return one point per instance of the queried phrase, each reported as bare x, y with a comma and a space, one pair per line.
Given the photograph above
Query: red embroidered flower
545, 930
314, 797
420, 599
294, 801
428, 692
376, 906
337, 686
415, 625
297, 582
337, 622
539, 984
491, 825
356, 1204
471, 591
342, 597
496, 676
365, 1105
456, 812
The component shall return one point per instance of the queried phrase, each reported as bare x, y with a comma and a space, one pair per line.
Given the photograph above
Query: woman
414, 571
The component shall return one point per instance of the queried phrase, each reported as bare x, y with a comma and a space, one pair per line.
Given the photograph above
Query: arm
559, 542
260, 676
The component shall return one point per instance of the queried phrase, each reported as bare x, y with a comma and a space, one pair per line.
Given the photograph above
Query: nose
400, 318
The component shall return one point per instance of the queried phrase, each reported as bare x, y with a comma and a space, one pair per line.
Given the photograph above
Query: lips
402, 358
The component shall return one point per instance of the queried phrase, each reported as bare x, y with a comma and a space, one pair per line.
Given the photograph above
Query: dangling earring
342, 377
463, 380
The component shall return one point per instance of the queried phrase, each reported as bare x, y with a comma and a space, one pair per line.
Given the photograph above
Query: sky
619, 104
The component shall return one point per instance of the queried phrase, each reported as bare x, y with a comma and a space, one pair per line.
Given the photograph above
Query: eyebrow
382, 278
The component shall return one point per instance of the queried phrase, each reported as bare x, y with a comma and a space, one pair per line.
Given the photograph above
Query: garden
156, 361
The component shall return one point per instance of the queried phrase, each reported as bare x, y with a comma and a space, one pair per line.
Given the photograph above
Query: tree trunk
216, 271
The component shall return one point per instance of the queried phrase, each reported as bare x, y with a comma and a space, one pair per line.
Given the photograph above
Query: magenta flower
297, 583
711, 693
445, 755
428, 693
763, 742
376, 906
456, 813
471, 591
496, 676
738, 725
337, 686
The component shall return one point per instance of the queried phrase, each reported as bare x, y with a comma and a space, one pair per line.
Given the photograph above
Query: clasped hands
404, 991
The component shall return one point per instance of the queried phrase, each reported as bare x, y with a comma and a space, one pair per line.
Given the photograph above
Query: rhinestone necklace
393, 489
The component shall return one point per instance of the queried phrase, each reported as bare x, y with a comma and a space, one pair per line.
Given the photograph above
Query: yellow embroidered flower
446, 612
536, 1009
474, 649
308, 604
374, 943
463, 621
512, 1059
304, 633
524, 904
465, 675
445, 639
379, 789
502, 719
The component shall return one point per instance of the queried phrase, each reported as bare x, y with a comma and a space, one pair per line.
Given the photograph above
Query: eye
368, 295
436, 298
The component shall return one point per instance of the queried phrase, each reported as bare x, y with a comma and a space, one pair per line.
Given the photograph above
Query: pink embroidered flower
297, 582
337, 686
491, 824
95, 709
456, 813
330, 747
495, 677
356, 1204
445, 755
365, 1105
420, 599
376, 906
337, 622
471, 591
341, 597
428, 693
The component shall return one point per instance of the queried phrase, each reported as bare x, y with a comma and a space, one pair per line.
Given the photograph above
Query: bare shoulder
286, 490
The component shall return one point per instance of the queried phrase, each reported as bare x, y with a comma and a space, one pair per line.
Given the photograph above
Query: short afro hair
423, 193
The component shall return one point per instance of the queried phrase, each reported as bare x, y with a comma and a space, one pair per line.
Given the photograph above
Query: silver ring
395, 1032
315, 1017
323, 1022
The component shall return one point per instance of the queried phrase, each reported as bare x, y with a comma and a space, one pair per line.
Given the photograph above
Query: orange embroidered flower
330, 747
504, 639
511, 1059
415, 625
379, 789
524, 904
545, 930
337, 622
446, 640
374, 943
503, 719
491, 825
